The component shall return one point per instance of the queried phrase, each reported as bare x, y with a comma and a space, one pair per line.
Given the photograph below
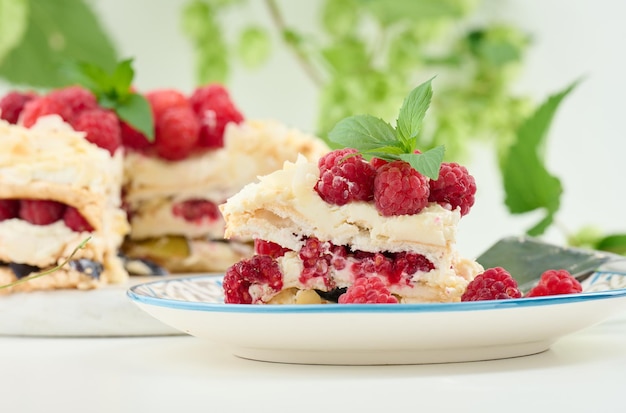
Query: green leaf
528, 185
135, 110
13, 23
201, 25
57, 31
347, 56
122, 78
412, 113
391, 11
363, 132
427, 163
339, 17
254, 46
615, 243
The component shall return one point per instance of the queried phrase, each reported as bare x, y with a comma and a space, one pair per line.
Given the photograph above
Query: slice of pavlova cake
204, 152
58, 189
348, 230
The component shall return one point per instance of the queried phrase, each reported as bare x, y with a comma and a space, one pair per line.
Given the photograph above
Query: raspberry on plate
400, 190
12, 103
345, 177
367, 290
555, 282
493, 284
454, 187
101, 126
41, 211
260, 269
176, 133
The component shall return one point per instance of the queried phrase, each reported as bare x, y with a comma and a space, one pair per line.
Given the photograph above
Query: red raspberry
9, 208
555, 282
345, 178
75, 98
132, 138
176, 133
215, 110
40, 211
164, 99
367, 290
454, 187
42, 106
377, 162
400, 190
270, 248
260, 269
75, 221
12, 103
316, 259
196, 210
493, 284
102, 128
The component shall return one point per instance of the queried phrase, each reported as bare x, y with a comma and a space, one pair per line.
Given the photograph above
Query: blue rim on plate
145, 293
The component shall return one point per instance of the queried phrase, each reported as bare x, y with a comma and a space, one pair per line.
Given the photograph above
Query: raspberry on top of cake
321, 227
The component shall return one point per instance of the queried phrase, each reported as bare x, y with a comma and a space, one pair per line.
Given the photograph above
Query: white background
572, 38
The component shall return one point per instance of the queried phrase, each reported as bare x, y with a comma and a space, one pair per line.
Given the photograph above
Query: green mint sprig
373, 137
49, 271
113, 91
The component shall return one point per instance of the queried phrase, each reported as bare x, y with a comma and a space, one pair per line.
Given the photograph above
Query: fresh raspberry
132, 138
215, 110
41, 212
9, 208
345, 178
316, 259
75, 221
555, 282
270, 248
260, 269
377, 162
75, 98
454, 187
163, 99
176, 133
42, 106
367, 290
102, 128
493, 284
196, 210
400, 190
12, 103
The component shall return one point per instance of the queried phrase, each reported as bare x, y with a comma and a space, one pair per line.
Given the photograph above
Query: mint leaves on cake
373, 137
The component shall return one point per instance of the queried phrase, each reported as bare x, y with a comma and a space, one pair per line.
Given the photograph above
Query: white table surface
583, 372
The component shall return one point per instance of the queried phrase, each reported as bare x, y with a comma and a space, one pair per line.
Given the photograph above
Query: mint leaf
254, 46
13, 23
528, 185
113, 91
135, 110
363, 132
427, 163
122, 78
412, 113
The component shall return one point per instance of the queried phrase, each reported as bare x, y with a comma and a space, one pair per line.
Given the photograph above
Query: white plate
104, 312
376, 334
